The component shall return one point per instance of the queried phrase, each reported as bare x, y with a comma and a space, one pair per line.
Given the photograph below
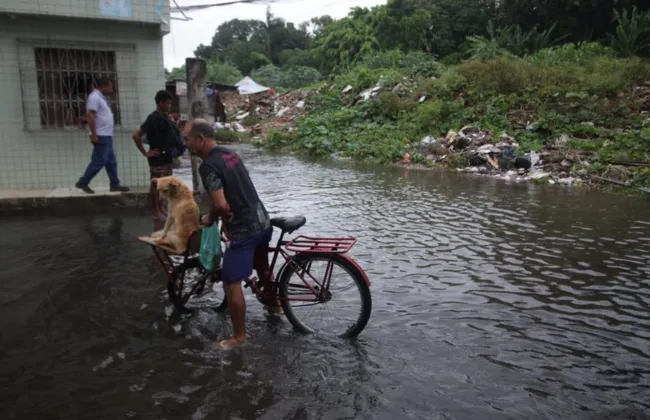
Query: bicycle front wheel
325, 293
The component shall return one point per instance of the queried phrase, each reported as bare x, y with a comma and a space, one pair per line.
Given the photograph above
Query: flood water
490, 301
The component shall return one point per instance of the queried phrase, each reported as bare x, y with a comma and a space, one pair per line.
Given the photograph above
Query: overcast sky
186, 36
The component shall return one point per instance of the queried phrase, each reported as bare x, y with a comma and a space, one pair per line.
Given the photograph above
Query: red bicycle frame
302, 245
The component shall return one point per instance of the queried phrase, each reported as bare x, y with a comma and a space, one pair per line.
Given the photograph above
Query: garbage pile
229, 127
500, 156
285, 106
404, 88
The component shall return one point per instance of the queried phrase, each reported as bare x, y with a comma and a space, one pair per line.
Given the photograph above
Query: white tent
248, 86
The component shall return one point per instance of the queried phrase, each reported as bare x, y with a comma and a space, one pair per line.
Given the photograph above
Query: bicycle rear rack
325, 245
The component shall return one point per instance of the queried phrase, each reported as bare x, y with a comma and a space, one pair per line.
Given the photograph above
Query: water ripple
490, 300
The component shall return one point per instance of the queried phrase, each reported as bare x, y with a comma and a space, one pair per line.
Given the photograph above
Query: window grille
65, 78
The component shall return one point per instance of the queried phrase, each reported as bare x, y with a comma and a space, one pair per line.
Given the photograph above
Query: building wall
33, 157
151, 11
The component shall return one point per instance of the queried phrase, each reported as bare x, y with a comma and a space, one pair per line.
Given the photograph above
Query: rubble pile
286, 106
233, 102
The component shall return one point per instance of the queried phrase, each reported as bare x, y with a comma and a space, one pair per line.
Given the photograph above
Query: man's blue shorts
239, 257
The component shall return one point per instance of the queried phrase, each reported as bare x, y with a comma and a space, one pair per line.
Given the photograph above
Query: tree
176, 73
345, 41
435, 28
579, 20
313, 26
225, 73
250, 44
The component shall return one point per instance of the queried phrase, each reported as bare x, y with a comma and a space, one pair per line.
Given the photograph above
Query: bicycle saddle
289, 224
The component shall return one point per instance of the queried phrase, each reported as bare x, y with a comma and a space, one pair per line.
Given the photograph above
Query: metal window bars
65, 78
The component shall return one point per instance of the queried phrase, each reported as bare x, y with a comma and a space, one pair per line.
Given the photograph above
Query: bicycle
300, 255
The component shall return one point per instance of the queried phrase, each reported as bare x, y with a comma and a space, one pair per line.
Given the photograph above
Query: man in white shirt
101, 122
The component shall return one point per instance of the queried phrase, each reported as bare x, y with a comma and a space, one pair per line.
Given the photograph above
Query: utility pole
197, 101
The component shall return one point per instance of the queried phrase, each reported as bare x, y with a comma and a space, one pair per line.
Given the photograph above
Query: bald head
199, 137
199, 126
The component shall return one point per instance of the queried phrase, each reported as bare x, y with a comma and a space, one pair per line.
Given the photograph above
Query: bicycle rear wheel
191, 279
344, 305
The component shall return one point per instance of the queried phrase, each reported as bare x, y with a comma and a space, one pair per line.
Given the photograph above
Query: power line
192, 7
182, 12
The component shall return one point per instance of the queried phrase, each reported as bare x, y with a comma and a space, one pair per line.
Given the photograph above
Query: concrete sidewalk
19, 201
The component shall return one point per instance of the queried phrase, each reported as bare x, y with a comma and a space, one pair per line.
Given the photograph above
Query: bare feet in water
274, 309
231, 343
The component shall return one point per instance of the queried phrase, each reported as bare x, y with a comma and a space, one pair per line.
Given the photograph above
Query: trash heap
229, 127
500, 156
285, 106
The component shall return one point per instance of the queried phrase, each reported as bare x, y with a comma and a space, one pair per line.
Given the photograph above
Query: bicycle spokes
324, 296
316, 283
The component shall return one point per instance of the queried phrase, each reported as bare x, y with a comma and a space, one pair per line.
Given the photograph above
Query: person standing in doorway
163, 136
101, 124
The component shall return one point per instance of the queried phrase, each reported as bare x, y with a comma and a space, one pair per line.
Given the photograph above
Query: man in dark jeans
101, 124
248, 226
162, 134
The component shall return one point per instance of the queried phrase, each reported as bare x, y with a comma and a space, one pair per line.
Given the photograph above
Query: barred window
65, 79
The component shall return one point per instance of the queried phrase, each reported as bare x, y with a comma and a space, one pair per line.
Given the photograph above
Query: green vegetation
226, 136
535, 70
536, 99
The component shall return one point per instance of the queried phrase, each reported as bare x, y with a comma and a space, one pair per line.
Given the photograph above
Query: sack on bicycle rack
210, 250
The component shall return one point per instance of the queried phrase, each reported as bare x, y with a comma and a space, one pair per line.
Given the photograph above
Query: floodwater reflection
490, 301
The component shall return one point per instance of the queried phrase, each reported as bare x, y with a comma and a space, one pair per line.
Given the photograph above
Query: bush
226, 136
633, 146
219, 72
453, 59
598, 75
296, 58
268, 75
359, 78
414, 62
289, 78
278, 139
500, 75
389, 105
300, 76
250, 121
380, 142
423, 64
571, 53
447, 85
437, 117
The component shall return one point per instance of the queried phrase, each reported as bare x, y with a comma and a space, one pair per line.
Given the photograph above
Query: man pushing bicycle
233, 198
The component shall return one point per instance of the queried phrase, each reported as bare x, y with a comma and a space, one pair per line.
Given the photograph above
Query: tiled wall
125, 10
32, 157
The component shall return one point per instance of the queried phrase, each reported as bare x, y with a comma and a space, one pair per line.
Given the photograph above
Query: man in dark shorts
161, 133
248, 226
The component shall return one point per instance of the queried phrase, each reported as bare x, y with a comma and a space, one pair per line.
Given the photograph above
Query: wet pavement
490, 301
